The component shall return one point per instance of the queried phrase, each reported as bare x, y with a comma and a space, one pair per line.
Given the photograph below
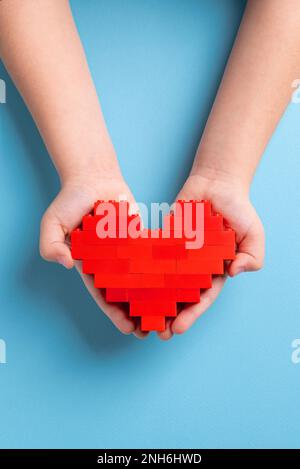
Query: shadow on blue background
71, 380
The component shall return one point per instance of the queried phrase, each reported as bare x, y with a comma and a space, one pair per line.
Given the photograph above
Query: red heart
153, 274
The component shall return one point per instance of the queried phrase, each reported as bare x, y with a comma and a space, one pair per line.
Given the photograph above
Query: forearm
41, 49
254, 92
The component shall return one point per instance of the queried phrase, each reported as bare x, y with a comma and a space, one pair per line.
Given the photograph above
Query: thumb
251, 251
52, 241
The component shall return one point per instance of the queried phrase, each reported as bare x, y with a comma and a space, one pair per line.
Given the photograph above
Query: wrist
91, 169
216, 175
93, 179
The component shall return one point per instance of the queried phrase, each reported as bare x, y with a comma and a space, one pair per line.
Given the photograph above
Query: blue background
71, 380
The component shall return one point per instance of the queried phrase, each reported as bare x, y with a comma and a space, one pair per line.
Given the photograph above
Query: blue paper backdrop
71, 380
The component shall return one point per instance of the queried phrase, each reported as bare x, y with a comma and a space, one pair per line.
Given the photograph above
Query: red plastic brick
95, 252
153, 308
90, 237
217, 238
76, 236
176, 251
147, 294
212, 252
141, 265
192, 280
116, 295
89, 222
213, 223
133, 250
188, 295
103, 280
108, 266
202, 266
153, 323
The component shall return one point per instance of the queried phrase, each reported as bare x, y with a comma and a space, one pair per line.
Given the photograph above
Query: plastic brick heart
154, 270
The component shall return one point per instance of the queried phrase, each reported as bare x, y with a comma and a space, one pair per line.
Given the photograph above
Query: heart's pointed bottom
153, 323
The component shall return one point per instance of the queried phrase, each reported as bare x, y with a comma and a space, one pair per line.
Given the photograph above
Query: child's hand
75, 199
233, 202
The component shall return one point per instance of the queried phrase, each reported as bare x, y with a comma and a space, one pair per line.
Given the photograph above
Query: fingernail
240, 270
62, 261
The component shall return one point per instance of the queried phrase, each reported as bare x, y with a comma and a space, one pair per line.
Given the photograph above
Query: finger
140, 334
114, 312
190, 314
167, 334
251, 251
52, 241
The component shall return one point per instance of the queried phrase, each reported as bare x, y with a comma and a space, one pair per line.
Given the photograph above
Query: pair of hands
77, 197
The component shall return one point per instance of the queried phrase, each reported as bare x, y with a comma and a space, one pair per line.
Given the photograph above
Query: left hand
231, 199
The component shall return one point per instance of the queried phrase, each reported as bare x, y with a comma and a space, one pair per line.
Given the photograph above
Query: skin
59, 91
